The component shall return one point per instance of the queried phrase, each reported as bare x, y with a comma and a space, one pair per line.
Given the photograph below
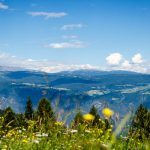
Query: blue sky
112, 34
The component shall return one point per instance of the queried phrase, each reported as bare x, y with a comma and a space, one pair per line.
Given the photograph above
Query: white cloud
126, 64
72, 44
67, 67
40, 65
48, 15
137, 64
11, 61
3, 6
114, 59
137, 59
71, 26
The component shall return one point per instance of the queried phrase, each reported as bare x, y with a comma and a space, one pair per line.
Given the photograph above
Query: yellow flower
59, 123
109, 130
88, 117
25, 141
107, 112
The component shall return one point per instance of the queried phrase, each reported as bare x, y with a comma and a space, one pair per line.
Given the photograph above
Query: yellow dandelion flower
88, 117
25, 141
107, 112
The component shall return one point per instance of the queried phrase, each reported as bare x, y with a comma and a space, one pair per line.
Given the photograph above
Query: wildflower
87, 131
36, 141
104, 146
19, 131
24, 129
74, 131
44, 134
88, 117
25, 141
107, 112
59, 123
38, 134
100, 131
8, 135
109, 130
41, 135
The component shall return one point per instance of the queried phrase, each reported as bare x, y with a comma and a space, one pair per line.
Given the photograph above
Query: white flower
74, 131
44, 134
19, 131
87, 131
36, 141
38, 135
24, 129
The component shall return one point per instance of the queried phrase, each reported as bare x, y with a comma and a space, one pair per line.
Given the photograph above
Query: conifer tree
29, 109
9, 117
78, 119
140, 126
93, 111
45, 111
20, 120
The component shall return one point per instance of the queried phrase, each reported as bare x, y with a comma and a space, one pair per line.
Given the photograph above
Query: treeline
140, 126
39, 119
43, 119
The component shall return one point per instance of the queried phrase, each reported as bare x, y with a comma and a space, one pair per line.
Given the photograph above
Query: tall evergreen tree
29, 109
9, 117
140, 126
78, 119
20, 120
45, 111
93, 111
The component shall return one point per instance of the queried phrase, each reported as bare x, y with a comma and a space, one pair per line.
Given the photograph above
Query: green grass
59, 137
86, 132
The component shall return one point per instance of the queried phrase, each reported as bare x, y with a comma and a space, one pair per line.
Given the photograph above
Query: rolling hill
119, 90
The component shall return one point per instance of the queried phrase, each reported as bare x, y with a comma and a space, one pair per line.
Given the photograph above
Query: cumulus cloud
3, 6
48, 15
72, 44
114, 59
71, 26
126, 64
137, 59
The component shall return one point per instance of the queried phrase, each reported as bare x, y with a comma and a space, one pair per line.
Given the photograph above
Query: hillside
120, 90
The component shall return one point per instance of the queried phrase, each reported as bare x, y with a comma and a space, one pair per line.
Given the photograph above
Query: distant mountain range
69, 90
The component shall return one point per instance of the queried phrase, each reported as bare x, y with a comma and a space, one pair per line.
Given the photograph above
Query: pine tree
140, 126
9, 118
29, 109
93, 111
20, 120
78, 119
45, 111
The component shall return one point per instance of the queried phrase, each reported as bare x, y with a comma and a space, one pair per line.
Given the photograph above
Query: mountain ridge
117, 89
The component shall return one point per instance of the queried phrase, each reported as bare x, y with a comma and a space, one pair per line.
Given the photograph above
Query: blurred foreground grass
84, 138
40, 130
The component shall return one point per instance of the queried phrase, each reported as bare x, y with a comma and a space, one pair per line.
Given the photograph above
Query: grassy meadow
40, 130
